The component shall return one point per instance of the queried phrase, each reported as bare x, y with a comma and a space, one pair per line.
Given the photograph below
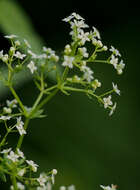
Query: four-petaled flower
68, 61
107, 101
32, 67
32, 164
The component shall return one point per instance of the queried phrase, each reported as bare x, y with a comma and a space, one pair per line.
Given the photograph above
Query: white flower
17, 43
12, 50
96, 84
68, 61
12, 103
3, 117
7, 110
32, 164
97, 43
67, 19
19, 55
54, 171
115, 88
34, 56
19, 126
96, 33
32, 67
77, 16
67, 49
20, 153
27, 43
19, 185
42, 179
62, 188
10, 36
71, 187
87, 73
12, 156
83, 51
21, 172
78, 24
113, 109
107, 102
5, 151
114, 61
5, 58
120, 67
83, 36
105, 48
115, 51
113, 187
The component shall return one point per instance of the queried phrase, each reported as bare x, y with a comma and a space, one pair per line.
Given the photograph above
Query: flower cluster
21, 166
76, 74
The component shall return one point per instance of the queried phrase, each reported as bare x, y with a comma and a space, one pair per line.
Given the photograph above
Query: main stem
14, 182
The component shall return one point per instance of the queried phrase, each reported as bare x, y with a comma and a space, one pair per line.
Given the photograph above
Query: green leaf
37, 114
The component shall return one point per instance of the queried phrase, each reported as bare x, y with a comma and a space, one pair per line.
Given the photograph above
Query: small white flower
105, 48
114, 61
115, 88
83, 51
67, 19
5, 151
107, 102
12, 103
96, 84
27, 43
62, 188
34, 56
120, 67
96, 33
42, 188
4, 118
68, 61
12, 36
19, 55
113, 187
77, 16
67, 49
54, 171
87, 73
115, 51
5, 58
32, 67
32, 164
17, 43
20, 153
21, 172
12, 156
71, 187
19, 126
19, 185
12, 50
78, 24
83, 36
7, 110
113, 109
42, 179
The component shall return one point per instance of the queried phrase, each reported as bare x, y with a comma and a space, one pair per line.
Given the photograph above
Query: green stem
14, 182
65, 73
106, 93
22, 136
3, 140
49, 89
99, 61
18, 99
50, 96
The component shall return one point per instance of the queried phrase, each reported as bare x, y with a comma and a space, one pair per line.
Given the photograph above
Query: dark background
78, 137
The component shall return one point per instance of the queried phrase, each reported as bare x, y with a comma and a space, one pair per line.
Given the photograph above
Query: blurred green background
78, 137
